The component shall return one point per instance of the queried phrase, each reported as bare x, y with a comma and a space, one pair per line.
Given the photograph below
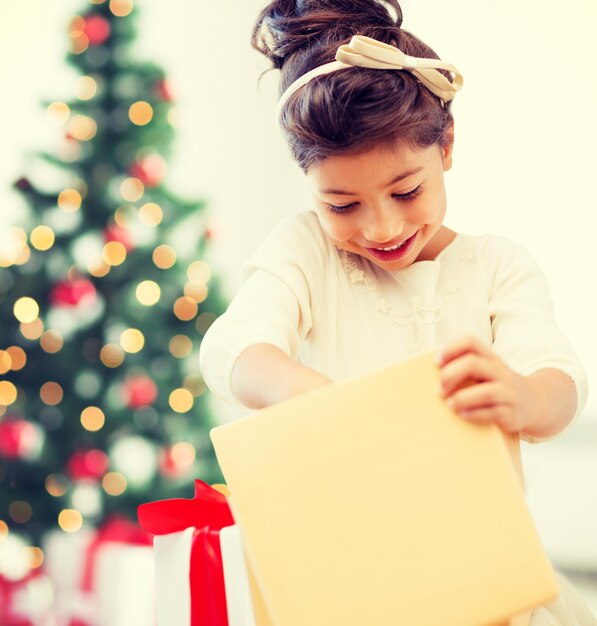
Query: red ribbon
207, 512
8, 591
116, 530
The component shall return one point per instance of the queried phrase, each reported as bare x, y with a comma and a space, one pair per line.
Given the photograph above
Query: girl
372, 275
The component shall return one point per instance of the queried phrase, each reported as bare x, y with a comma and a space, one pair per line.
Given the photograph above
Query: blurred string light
70, 520
87, 499
121, 8
196, 292
185, 308
199, 272
26, 309
51, 341
180, 346
114, 483
132, 340
58, 113
148, 292
69, 200
204, 321
8, 393
51, 393
164, 257
132, 189
82, 127
114, 253
151, 214
32, 330
195, 384
140, 113
181, 400
86, 87
42, 238
20, 511
93, 418
35, 556
112, 355
56, 485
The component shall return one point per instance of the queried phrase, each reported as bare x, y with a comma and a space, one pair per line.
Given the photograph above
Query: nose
383, 224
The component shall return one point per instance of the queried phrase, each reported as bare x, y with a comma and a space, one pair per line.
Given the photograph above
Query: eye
339, 210
410, 195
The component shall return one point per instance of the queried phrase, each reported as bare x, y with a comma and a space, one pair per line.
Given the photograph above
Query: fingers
466, 369
481, 396
458, 348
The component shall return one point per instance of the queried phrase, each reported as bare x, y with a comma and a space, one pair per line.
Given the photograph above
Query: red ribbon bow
208, 512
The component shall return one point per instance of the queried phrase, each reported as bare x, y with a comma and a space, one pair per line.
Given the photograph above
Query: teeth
392, 248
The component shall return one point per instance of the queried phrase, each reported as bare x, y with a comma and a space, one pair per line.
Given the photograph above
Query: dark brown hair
351, 110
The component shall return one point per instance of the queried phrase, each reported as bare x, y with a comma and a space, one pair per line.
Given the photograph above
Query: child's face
382, 198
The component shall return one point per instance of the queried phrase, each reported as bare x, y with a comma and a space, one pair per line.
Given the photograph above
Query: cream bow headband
367, 52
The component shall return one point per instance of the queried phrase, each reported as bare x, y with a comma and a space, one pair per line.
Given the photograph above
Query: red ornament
87, 465
169, 465
163, 90
150, 170
97, 29
18, 438
140, 391
73, 293
113, 232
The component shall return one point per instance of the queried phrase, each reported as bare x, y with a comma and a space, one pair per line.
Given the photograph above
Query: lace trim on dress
419, 316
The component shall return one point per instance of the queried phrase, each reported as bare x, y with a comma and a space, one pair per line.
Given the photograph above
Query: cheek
338, 228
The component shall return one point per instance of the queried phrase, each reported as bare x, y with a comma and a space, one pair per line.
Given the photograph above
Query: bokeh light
85, 88
5, 362
18, 357
51, 393
42, 238
82, 127
132, 189
204, 321
195, 384
114, 483
114, 253
93, 418
196, 292
132, 340
151, 214
32, 330
35, 556
148, 292
199, 272
181, 400
141, 113
51, 341
79, 42
180, 346
121, 8
69, 200
185, 308
112, 355
58, 113
26, 310
164, 257
70, 520
98, 267
8, 393
20, 511
56, 485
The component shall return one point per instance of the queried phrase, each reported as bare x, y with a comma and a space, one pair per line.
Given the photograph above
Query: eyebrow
340, 192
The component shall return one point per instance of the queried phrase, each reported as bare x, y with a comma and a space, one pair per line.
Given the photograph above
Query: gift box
201, 574
102, 577
370, 502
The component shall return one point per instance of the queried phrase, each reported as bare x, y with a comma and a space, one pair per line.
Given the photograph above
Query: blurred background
524, 167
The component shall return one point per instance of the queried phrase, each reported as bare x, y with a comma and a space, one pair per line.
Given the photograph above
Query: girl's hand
479, 386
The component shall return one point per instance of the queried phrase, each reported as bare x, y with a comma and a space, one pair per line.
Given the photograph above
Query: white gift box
123, 591
173, 570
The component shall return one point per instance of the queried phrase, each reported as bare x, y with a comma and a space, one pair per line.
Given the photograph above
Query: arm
263, 375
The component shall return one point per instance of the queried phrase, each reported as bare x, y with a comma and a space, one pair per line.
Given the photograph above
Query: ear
448, 148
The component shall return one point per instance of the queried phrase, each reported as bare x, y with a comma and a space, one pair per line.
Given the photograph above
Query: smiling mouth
392, 253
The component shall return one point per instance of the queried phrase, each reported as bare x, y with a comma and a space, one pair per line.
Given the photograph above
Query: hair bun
284, 26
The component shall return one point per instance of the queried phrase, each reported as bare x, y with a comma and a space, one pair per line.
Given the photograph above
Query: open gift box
370, 502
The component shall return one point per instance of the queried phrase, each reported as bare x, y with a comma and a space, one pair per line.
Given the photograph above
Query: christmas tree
104, 297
